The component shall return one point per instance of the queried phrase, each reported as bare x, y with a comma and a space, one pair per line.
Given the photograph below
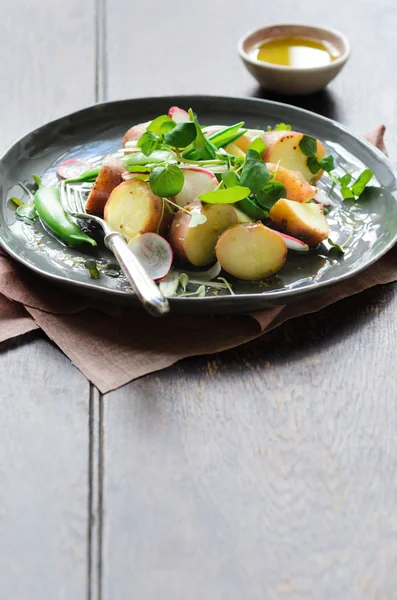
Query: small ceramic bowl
293, 80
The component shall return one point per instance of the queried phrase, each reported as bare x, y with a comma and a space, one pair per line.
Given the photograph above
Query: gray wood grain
48, 69
268, 471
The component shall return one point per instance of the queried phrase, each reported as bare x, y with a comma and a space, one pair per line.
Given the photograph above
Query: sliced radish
197, 181
154, 253
293, 243
72, 168
178, 114
322, 198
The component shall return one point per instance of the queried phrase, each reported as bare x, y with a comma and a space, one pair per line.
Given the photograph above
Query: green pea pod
88, 175
47, 202
228, 135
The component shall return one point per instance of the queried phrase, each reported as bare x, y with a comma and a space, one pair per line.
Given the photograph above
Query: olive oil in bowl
295, 51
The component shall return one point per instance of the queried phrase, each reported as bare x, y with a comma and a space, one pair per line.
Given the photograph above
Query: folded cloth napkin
113, 345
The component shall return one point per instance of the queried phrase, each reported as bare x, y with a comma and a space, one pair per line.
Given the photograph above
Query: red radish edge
200, 170
154, 253
293, 243
73, 167
178, 114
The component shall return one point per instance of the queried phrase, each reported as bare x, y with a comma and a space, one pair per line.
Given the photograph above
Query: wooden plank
48, 70
267, 471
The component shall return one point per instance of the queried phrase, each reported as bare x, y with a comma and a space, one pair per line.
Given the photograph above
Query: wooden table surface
266, 472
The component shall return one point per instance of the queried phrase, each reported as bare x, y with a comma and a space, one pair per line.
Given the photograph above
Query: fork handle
142, 284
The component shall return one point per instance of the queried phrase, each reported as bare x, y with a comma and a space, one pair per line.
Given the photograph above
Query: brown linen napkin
114, 345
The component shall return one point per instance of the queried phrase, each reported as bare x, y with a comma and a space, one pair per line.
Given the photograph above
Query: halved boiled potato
283, 147
196, 245
303, 221
243, 143
132, 209
234, 150
296, 186
109, 177
251, 251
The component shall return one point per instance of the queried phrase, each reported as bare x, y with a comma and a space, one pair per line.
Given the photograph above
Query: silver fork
73, 199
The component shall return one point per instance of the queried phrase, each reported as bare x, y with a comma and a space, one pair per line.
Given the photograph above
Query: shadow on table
322, 103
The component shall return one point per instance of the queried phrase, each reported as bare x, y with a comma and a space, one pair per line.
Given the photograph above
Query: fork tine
80, 199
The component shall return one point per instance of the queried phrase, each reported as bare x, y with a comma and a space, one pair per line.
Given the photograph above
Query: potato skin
297, 188
197, 245
134, 133
251, 251
132, 208
276, 140
108, 178
303, 221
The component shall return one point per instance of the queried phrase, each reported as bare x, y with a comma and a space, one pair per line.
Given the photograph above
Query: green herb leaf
160, 125
230, 179
346, 193
255, 173
361, 182
202, 148
282, 127
252, 210
228, 196
308, 145
327, 163
258, 145
345, 180
270, 193
339, 248
149, 142
166, 181
92, 267
182, 135
313, 164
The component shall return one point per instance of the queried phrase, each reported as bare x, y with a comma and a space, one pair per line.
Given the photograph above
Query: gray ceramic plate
96, 131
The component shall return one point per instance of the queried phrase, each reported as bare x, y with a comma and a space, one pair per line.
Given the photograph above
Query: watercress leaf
345, 179
230, 179
226, 196
308, 145
361, 182
270, 193
166, 181
203, 149
149, 142
182, 135
313, 164
252, 210
346, 193
201, 291
255, 173
196, 219
327, 163
160, 125
258, 145
282, 127
337, 246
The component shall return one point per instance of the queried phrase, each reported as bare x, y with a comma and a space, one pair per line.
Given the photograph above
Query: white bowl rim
267, 65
